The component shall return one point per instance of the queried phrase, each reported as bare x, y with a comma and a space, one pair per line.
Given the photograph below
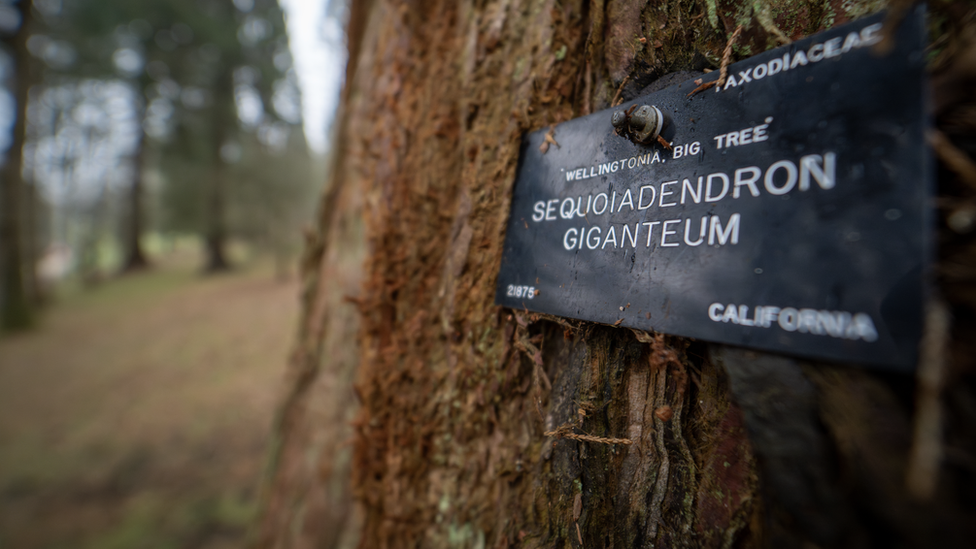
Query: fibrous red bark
729, 448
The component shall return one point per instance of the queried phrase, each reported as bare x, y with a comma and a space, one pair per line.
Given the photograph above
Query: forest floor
138, 414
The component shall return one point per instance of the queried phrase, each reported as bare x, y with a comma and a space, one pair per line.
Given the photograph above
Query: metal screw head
619, 119
640, 118
647, 123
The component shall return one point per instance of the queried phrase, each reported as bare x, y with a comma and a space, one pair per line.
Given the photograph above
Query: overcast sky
317, 46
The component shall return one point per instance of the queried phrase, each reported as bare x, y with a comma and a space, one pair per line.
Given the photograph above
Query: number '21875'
521, 291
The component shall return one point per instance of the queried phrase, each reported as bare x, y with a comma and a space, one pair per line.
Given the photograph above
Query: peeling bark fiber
416, 412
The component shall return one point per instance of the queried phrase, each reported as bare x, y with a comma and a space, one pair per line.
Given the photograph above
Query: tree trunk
216, 222
730, 448
135, 257
14, 298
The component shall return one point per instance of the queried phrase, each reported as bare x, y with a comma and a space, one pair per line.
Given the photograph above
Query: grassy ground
138, 413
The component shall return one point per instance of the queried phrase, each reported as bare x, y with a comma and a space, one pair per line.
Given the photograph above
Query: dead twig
566, 431
724, 70
727, 56
702, 86
550, 139
620, 90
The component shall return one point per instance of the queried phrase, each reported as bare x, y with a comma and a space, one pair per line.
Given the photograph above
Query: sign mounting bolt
642, 124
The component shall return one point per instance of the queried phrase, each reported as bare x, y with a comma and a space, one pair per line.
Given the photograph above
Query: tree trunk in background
135, 257
14, 295
731, 448
216, 222
35, 241
216, 231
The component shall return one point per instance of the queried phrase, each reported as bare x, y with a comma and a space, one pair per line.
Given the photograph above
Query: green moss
854, 9
561, 53
744, 50
712, 13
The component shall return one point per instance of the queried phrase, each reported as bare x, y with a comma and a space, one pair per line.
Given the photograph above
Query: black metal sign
788, 211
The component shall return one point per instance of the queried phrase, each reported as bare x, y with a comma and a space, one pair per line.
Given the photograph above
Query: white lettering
606, 202
713, 311
759, 133
807, 321
610, 234
741, 179
569, 242
810, 165
695, 195
731, 313
650, 230
669, 193
540, 211
708, 187
665, 233
799, 58
865, 328
563, 212
788, 319
626, 234
589, 237
743, 316
832, 47
640, 197
870, 37
716, 231
579, 206
701, 232
790, 177
551, 209
851, 42
627, 200
815, 53
839, 324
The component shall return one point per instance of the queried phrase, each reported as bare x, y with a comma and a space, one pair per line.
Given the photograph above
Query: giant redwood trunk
416, 411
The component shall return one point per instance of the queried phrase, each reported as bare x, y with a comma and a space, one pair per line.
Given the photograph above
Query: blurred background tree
15, 286
138, 122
